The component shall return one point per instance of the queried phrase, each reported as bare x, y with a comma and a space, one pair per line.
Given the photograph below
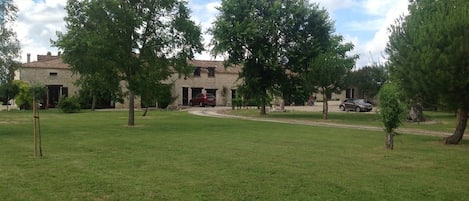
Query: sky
365, 23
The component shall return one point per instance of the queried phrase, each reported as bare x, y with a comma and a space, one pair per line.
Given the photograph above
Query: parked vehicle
357, 105
204, 99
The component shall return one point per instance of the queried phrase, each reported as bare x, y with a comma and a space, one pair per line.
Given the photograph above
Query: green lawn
178, 156
436, 121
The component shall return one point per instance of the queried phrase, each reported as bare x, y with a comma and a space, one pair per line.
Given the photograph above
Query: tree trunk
460, 128
93, 103
263, 108
131, 121
145, 112
282, 105
8, 102
325, 106
263, 111
390, 140
416, 113
35, 130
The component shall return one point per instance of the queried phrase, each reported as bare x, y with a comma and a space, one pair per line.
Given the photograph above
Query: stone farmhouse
52, 72
208, 77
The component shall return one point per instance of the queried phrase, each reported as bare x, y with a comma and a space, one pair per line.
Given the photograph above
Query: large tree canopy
328, 71
273, 40
128, 39
9, 45
428, 55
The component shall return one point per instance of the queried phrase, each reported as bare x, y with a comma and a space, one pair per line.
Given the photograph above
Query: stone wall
221, 80
50, 76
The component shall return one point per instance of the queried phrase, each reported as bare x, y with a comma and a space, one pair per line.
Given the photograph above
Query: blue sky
362, 22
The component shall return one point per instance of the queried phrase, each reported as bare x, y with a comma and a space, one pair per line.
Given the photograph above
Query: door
185, 96
195, 92
53, 95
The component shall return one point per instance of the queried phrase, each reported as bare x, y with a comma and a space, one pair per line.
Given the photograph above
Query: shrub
391, 111
69, 105
23, 99
164, 96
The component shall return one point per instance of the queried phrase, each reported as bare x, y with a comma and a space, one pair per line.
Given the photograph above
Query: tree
23, 100
328, 71
37, 92
390, 110
428, 56
8, 91
9, 45
368, 80
97, 87
127, 39
272, 40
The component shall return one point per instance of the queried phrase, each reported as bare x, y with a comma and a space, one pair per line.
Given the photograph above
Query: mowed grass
435, 121
178, 156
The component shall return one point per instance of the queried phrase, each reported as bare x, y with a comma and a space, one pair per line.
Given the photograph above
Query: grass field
436, 121
178, 156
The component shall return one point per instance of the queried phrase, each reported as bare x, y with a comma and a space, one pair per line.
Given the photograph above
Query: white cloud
375, 47
39, 20
37, 24
369, 25
204, 15
332, 5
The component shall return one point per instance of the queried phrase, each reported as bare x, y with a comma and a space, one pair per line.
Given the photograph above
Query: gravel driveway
333, 107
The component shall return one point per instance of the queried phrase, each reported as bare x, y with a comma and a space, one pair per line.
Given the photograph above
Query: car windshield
360, 101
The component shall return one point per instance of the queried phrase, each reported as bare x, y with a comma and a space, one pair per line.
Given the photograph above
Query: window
65, 91
197, 72
211, 72
53, 74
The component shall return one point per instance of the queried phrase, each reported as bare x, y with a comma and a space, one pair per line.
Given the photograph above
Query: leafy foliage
391, 111
9, 45
164, 96
69, 105
328, 71
8, 91
98, 88
161, 95
23, 99
273, 40
390, 107
368, 80
37, 91
428, 55
129, 42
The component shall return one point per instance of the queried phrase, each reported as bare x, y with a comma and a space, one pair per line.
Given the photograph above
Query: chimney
28, 56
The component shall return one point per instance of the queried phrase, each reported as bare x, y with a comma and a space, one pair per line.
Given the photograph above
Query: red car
204, 99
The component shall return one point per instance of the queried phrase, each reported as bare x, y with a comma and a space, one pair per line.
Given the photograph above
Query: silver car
357, 105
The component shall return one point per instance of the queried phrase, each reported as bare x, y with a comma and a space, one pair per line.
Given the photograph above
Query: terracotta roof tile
49, 62
218, 65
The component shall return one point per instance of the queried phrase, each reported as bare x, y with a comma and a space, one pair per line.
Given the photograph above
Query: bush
164, 96
69, 105
391, 111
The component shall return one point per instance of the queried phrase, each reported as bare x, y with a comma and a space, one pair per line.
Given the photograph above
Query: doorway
185, 96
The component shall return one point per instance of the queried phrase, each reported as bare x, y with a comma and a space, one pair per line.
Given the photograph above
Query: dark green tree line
368, 80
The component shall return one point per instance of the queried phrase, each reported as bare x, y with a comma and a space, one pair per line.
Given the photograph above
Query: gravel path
218, 113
